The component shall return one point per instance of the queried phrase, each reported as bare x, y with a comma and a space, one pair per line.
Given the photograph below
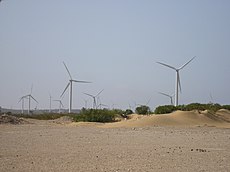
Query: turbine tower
50, 103
178, 84
170, 96
70, 83
94, 98
60, 105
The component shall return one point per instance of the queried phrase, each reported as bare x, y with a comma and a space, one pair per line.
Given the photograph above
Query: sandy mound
178, 118
9, 119
223, 114
63, 120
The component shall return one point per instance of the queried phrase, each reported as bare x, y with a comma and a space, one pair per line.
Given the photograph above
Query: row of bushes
105, 115
95, 115
193, 106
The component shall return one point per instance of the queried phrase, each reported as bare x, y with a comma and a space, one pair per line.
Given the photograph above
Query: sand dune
62, 145
178, 118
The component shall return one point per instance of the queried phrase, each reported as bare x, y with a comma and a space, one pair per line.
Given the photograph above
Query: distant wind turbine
22, 100
29, 96
94, 98
60, 105
70, 83
178, 84
147, 103
170, 96
50, 103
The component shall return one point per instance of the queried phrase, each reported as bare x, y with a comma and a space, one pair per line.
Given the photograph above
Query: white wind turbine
29, 96
178, 84
167, 95
70, 83
94, 98
22, 100
60, 105
50, 103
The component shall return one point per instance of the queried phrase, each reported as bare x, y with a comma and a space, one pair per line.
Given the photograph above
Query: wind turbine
178, 84
50, 103
60, 105
101, 104
70, 83
29, 96
94, 98
147, 103
170, 96
22, 100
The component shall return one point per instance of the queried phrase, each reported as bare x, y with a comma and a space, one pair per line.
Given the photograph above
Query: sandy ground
51, 146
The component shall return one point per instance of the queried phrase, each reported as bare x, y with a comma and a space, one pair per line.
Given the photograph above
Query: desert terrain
181, 141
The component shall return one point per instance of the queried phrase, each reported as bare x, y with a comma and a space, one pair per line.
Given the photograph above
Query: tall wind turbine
60, 105
70, 83
178, 84
94, 98
167, 95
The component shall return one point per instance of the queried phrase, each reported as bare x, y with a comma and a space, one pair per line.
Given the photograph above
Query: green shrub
128, 112
193, 106
95, 115
143, 110
165, 109
226, 107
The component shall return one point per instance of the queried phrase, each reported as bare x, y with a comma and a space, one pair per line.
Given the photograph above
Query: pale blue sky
115, 44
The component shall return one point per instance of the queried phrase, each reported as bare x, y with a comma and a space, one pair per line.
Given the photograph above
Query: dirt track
46, 146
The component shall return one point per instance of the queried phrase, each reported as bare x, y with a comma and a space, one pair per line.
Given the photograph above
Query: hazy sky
115, 44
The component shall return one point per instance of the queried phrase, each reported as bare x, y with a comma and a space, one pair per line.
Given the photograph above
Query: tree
144, 110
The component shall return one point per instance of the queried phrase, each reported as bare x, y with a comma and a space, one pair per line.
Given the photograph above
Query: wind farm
117, 86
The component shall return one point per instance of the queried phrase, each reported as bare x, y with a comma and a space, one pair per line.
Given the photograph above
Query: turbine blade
33, 98
61, 104
167, 65
65, 89
20, 99
171, 100
67, 70
164, 94
99, 93
178, 75
148, 101
80, 81
88, 94
186, 63
56, 100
